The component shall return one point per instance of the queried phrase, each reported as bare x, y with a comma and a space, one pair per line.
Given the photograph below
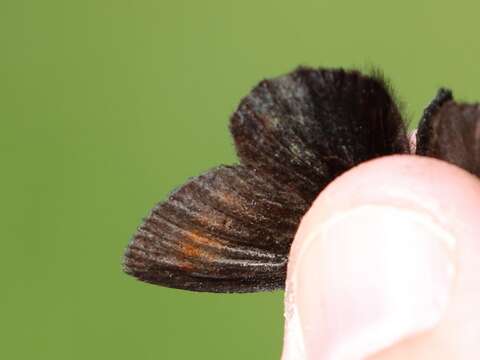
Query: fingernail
365, 279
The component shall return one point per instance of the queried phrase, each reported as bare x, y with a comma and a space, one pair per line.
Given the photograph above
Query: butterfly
230, 229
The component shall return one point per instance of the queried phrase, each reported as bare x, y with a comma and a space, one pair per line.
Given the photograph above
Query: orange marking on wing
194, 249
204, 240
186, 266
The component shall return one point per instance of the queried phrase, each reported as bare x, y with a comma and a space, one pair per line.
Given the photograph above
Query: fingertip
373, 260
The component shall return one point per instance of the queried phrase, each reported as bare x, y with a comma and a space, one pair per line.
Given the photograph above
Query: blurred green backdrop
106, 105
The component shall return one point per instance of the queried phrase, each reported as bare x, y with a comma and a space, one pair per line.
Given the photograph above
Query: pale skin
386, 266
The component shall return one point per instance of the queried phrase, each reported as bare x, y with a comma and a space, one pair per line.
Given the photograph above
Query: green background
105, 106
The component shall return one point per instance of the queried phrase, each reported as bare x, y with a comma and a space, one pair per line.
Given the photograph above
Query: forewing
228, 230
451, 133
307, 127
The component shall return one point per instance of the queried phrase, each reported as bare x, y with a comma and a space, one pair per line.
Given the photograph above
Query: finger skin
448, 194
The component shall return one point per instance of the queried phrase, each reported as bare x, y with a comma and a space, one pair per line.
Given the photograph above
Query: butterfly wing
228, 230
450, 131
309, 126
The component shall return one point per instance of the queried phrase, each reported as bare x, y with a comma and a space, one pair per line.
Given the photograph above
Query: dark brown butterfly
230, 229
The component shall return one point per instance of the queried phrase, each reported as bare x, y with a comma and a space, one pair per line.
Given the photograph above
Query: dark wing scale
228, 230
452, 133
309, 126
